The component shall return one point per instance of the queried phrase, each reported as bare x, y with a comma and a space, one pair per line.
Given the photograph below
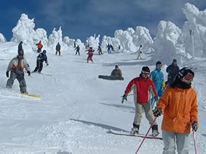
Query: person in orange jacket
142, 86
39, 46
180, 111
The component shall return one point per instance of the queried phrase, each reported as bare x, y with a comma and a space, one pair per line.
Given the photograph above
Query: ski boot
135, 130
155, 131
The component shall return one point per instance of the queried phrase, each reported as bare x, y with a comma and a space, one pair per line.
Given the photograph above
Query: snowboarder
172, 71
39, 46
108, 48
142, 86
158, 78
90, 54
139, 52
58, 48
39, 62
16, 69
180, 111
77, 50
116, 72
20, 48
99, 50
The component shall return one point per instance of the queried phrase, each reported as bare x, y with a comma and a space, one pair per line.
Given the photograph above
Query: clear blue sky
83, 18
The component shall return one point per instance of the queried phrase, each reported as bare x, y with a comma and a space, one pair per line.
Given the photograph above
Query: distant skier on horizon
58, 49
90, 55
139, 53
39, 46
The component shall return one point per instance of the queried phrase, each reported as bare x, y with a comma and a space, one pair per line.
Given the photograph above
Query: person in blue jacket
39, 62
157, 77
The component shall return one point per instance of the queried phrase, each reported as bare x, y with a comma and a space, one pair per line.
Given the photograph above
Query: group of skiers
15, 69
177, 104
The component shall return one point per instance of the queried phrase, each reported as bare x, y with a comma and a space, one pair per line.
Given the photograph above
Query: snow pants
58, 51
20, 78
170, 139
39, 66
89, 58
148, 113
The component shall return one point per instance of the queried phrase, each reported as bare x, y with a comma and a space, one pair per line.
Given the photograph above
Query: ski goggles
146, 73
188, 78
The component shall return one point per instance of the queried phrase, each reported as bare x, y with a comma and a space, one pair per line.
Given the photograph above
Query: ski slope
77, 109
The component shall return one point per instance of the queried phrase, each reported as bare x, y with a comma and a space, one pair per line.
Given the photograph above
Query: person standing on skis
77, 50
58, 48
180, 111
158, 78
139, 52
172, 71
90, 54
39, 46
16, 68
141, 87
39, 62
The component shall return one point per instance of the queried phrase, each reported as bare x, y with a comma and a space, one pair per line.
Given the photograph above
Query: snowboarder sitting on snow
116, 72
142, 86
180, 111
39, 46
172, 71
16, 67
39, 62
58, 48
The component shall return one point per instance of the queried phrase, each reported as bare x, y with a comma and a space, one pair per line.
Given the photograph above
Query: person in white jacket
16, 68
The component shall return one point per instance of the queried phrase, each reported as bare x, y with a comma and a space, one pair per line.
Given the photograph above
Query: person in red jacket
90, 54
39, 46
142, 87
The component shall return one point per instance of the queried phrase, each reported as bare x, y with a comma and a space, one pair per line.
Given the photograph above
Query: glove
29, 73
195, 126
157, 112
7, 74
156, 98
124, 97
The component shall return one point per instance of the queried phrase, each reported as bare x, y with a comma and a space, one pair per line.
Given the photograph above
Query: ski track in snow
77, 109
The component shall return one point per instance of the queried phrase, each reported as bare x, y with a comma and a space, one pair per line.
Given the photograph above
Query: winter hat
184, 71
158, 63
44, 51
145, 69
174, 60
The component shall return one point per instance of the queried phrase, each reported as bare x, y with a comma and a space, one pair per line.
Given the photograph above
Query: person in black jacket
39, 63
172, 71
58, 48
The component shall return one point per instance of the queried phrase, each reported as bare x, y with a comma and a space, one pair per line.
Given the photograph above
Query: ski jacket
158, 78
179, 108
39, 45
116, 72
42, 57
90, 52
141, 88
58, 47
172, 71
18, 65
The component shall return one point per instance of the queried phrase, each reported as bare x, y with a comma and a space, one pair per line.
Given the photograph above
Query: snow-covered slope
77, 109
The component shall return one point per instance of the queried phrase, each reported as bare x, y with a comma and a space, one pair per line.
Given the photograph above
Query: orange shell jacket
179, 108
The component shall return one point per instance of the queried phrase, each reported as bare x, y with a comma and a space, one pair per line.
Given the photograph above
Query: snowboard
32, 95
106, 77
125, 133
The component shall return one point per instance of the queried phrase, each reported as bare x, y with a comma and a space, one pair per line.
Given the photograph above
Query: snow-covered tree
2, 38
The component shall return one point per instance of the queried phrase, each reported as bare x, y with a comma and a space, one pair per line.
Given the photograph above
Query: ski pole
146, 135
194, 142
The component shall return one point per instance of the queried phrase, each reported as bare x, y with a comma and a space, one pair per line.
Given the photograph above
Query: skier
158, 78
90, 54
142, 86
39, 62
116, 72
172, 71
39, 46
58, 48
180, 111
108, 48
16, 69
20, 48
77, 50
139, 52
99, 50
